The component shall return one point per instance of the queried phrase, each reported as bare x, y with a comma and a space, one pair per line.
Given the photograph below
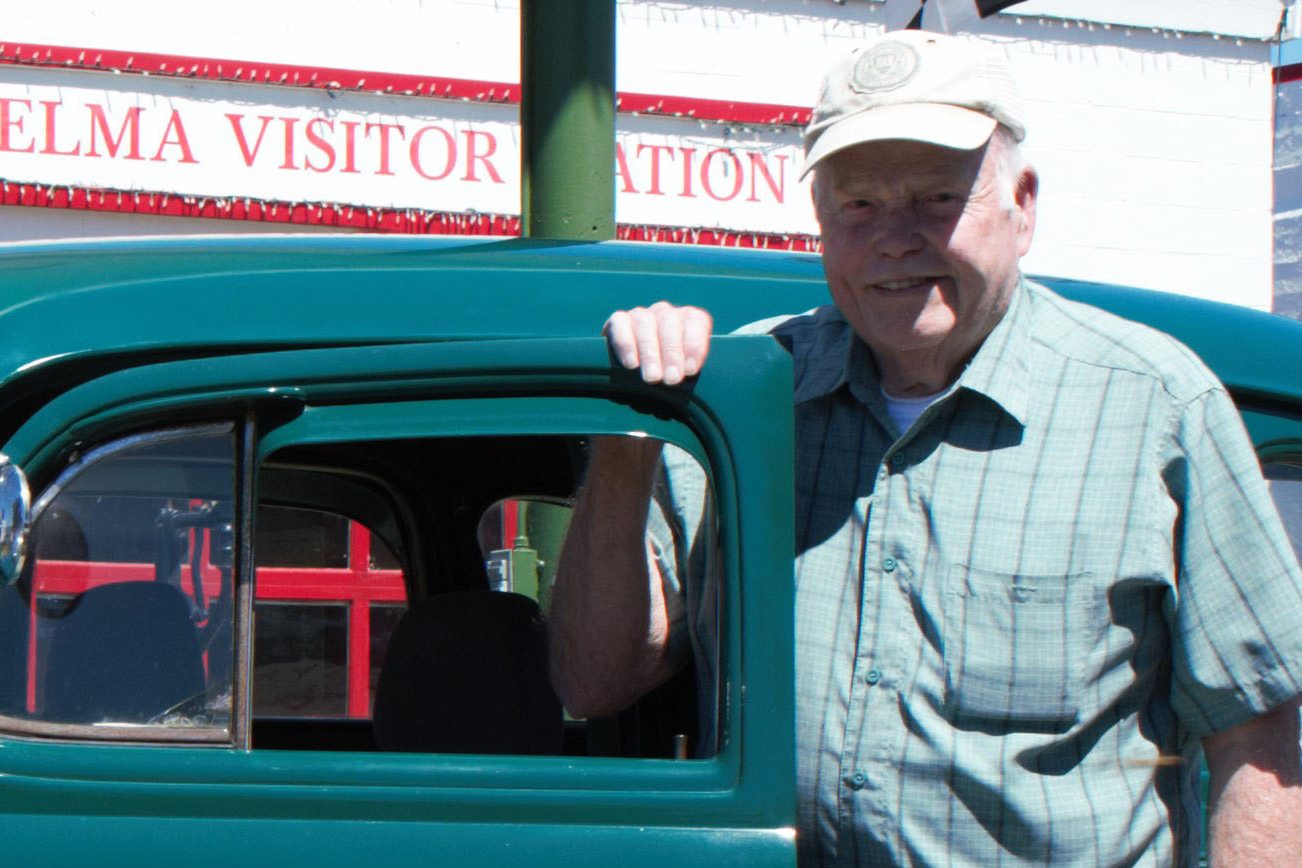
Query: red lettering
621, 170
51, 137
320, 142
760, 166
655, 165
8, 122
705, 174
237, 125
384, 144
288, 124
449, 143
174, 125
350, 147
472, 157
689, 154
99, 126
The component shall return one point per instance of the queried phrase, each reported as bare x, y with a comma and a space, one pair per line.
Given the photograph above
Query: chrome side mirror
15, 520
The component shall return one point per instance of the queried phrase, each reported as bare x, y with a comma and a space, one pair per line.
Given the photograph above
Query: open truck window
328, 593
400, 591
454, 646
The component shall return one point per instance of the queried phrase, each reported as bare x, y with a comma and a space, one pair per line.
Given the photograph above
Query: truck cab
279, 588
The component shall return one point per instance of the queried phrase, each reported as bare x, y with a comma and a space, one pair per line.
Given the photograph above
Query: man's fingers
666, 343
697, 327
646, 334
619, 335
669, 322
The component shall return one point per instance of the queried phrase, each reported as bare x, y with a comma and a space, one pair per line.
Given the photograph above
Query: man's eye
942, 199
857, 204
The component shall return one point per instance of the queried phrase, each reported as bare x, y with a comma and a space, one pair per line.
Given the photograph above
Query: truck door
231, 561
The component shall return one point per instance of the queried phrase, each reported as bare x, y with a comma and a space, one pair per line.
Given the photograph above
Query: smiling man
1038, 573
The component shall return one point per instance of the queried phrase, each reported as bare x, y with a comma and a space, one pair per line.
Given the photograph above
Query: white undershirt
905, 411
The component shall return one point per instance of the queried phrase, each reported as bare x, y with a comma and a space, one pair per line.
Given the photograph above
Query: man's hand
665, 342
1255, 803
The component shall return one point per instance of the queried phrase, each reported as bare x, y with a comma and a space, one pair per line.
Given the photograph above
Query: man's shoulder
800, 331
1089, 335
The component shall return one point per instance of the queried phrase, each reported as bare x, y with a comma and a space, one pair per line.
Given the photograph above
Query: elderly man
1037, 568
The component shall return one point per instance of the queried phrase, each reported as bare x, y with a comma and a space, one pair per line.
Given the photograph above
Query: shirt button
858, 781
872, 676
888, 564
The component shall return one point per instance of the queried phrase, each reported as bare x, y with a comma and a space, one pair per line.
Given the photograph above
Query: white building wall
1154, 144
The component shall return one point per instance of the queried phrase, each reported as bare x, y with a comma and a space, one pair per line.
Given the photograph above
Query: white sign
231, 141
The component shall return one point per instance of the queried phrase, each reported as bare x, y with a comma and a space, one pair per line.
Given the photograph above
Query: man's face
921, 247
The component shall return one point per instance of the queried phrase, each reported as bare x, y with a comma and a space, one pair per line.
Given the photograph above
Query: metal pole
567, 119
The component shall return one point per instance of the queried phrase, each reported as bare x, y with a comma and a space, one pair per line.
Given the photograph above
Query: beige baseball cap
914, 84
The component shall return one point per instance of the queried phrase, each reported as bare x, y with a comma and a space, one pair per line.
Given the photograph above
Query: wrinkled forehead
899, 163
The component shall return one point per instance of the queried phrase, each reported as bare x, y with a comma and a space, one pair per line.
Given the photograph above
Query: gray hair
1010, 165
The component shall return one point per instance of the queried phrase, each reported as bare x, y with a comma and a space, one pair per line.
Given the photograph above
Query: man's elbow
583, 704
1267, 744
1255, 796
584, 698
602, 689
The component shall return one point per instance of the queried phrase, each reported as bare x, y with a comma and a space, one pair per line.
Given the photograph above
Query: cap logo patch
884, 67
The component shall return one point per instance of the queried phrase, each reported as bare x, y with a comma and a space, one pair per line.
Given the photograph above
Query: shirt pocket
1015, 647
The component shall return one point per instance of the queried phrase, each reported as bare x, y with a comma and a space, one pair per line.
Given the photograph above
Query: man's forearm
608, 627
1255, 801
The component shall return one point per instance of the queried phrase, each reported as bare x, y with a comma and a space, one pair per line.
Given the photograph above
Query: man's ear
1024, 197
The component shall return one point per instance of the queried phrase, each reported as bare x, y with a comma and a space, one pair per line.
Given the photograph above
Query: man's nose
897, 233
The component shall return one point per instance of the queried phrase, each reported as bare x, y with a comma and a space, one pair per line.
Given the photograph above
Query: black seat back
466, 672
125, 652
15, 619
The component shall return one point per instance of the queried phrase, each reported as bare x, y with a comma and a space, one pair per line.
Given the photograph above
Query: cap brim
948, 126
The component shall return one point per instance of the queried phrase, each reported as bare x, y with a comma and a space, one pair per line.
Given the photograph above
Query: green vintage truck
277, 585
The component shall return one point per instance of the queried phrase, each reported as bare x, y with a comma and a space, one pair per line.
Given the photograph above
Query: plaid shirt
1016, 620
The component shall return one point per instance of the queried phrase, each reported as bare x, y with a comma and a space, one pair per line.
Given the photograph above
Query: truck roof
72, 310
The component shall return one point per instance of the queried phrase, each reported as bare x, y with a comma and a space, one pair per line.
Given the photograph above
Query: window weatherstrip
242, 686
119, 732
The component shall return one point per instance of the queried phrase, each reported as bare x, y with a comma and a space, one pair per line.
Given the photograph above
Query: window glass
125, 615
328, 594
300, 655
521, 539
384, 620
301, 538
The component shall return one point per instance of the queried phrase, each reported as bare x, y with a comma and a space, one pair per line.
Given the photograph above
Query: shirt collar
822, 367
999, 370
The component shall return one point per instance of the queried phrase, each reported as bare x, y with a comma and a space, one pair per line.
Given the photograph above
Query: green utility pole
567, 119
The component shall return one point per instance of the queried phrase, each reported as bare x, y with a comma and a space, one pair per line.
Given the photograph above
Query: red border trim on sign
406, 221
1291, 72
334, 78
401, 221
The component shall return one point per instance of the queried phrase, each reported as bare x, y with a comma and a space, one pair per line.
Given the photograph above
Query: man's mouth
906, 283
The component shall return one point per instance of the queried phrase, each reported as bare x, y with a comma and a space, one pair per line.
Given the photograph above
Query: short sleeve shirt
1016, 619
